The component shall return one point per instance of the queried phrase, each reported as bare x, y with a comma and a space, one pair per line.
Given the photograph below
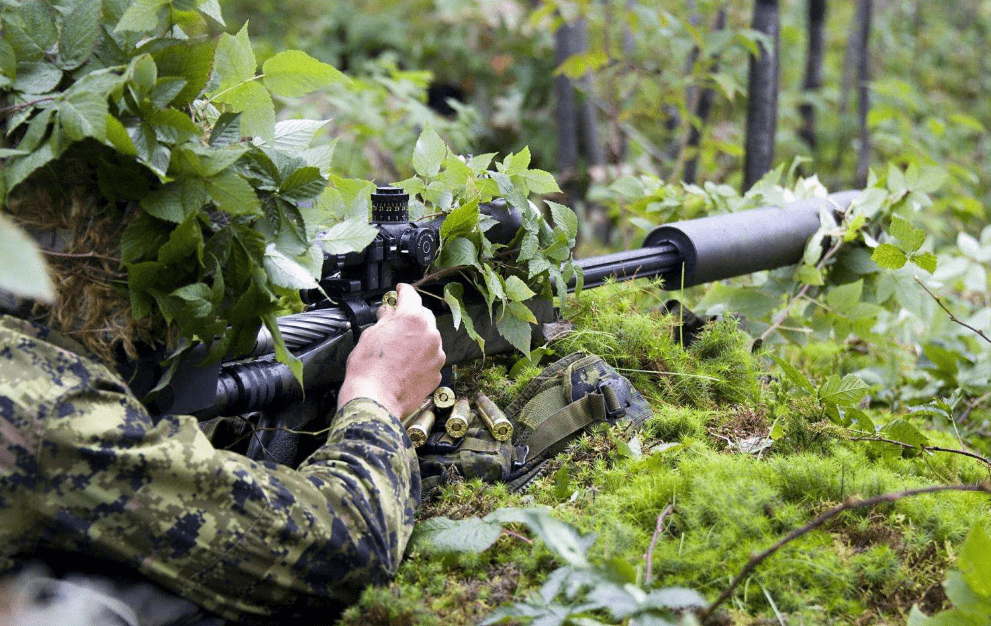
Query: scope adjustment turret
390, 205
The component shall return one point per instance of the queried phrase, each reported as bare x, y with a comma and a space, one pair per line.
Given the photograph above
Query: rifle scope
694, 252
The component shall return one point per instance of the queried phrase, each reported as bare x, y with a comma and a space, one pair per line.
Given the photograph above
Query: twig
653, 541
81, 255
926, 448
953, 318
517, 535
831, 513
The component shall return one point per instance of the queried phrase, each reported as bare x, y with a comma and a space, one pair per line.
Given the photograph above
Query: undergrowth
865, 566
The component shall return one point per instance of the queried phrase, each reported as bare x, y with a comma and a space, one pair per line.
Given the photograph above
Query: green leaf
19, 168
975, 561
800, 380
24, 271
233, 194
540, 182
461, 221
561, 538
226, 131
458, 251
189, 61
118, 138
234, 61
256, 108
144, 235
84, 115
911, 238
282, 355
349, 236
810, 275
429, 153
141, 16
303, 184
37, 78
926, 261
80, 32
905, 432
198, 297
889, 257
513, 322
517, 290
578, 65
294, 135
443, 535
165, 203
564, 218
845, 392
843, 298
293, 73
284, 271
518, 163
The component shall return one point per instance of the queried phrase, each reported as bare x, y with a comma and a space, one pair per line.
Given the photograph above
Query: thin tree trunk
762, 108
587, 114
813, 69
864, 7
702, 109
566, 117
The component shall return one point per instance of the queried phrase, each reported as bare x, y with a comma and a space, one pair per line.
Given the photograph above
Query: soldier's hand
397, 361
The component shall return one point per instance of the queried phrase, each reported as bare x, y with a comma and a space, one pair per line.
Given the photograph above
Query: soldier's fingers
408, 297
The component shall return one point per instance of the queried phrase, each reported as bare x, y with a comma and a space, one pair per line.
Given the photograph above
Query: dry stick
653, 541
953, 318
831, 513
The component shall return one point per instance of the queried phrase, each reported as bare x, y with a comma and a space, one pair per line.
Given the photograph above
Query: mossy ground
867, 566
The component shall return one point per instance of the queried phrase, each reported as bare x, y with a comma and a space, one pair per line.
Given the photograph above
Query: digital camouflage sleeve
84, 468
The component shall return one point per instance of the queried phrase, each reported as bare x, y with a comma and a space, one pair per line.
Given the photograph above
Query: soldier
88, 475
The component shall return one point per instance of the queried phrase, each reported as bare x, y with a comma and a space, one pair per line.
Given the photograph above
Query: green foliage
25, 272
968, 588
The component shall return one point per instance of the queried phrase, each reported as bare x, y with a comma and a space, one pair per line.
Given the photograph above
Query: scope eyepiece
390, 205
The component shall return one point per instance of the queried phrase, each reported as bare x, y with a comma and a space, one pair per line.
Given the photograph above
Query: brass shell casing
390, 298
460, 420
420, 429
427, 405
493, 417
444, 397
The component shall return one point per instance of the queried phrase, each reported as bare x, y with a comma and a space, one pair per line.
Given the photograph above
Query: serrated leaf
349, 236
294, 73
810, 275
540, 182
197, 296
513, 322
429, 153
564, 218
303, 184
294, 135
844, 297
889, 257
458, 251
517, 290
190, 61
37, 78
910, 238
443, 535
226, 131
143, 235
256, 108
17, 169
165, 203
926, 261
843, 392
234, 61
118, 138
795, 376
141, 16
461, 221
80, 32
84, 115
974, 562
282, 355
562, 538
25, 273
285, 271
233, 194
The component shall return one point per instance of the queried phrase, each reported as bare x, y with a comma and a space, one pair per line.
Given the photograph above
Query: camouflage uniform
84, 468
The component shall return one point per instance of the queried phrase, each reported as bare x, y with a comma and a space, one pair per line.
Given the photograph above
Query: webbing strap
566, 422
475, 444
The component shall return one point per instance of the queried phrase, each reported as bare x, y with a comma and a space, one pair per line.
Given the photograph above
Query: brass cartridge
444, 397
419, 430
427, 405
493, 417
460, 420
390, 298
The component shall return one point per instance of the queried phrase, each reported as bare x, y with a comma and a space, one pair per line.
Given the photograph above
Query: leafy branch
953, 318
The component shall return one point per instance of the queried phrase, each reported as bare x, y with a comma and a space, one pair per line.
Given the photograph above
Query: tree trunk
587, 114
566, 116
702, 109
864, 8
762, 108
813, 69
